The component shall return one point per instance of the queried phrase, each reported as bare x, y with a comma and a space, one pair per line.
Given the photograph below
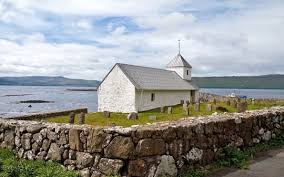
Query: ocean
61, 98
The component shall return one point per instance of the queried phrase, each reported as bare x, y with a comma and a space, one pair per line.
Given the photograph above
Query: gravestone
196, 107
187, 102
106, 114
71, 118
228, 102
162, 109
170, 110
185, 107
209, 108
234, 103
187, 111
132, 116
214, 101
82, 118
242, 106
152, 118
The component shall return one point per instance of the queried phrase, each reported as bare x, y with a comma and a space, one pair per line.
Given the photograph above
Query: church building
129, 88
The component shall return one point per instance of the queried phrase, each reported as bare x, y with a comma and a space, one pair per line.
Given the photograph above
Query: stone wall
49, 114
161, 149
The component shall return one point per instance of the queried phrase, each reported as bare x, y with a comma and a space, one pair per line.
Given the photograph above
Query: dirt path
269, 164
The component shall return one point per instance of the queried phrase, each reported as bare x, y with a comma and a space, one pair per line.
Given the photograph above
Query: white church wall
162, 98
116, 93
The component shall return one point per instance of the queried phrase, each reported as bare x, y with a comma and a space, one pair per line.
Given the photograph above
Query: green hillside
242, 82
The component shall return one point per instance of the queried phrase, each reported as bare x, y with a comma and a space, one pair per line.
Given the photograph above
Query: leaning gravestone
196, 107
106, 114
132, 116
71, 118
170, 110
82, 118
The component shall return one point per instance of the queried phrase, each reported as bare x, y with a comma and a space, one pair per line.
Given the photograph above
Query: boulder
137, 168
54, 153
194, 155
84, 160
167, 167
120, 147
110, 166
96, 140
150, 147
26, 141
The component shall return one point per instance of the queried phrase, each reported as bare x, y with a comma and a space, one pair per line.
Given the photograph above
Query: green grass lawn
10, 166
121, 120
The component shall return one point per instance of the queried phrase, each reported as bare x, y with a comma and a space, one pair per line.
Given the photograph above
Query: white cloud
83, 24
244, 38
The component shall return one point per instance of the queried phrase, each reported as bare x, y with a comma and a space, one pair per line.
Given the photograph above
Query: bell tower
180, 66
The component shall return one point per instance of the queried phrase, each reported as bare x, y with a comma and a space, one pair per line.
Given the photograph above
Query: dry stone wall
162, 149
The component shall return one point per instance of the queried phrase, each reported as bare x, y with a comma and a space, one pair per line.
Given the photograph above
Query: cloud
83, 39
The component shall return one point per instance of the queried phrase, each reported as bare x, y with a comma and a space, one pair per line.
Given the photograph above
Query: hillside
245, 82
242, 82
47, 81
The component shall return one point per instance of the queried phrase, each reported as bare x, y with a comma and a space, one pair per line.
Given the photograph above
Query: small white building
128, 88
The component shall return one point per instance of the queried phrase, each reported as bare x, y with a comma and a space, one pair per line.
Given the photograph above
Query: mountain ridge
270, 81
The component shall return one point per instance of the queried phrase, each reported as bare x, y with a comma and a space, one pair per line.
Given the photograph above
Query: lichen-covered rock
62, 138
45, 145
167, 167
96, 140
54, 152
9, 138
74, 140
84, 160
85, 173
120, 147
26, 141
34, 128
267, 136
137, 168
110, 166
194, 155
150, 147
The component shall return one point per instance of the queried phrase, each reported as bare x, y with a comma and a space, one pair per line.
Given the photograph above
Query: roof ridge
144, 67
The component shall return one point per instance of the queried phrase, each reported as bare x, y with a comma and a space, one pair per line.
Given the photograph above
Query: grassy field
121, 120
10, 166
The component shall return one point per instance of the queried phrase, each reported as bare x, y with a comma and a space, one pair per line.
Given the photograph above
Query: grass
120, 119
10, 166
237, 158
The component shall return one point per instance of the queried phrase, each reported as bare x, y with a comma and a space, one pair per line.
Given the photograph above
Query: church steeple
180, 66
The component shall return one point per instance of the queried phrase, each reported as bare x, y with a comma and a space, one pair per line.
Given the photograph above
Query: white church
128, 88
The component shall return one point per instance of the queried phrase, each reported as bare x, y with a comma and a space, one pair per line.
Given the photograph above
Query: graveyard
167, 113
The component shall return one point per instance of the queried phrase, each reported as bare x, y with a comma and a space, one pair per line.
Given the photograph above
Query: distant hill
47, 81
242, 82
245, 82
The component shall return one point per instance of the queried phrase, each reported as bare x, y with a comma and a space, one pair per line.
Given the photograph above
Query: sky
85, 38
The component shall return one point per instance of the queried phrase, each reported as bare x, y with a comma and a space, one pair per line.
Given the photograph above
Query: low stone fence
209, 97
161, 149
49, 114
